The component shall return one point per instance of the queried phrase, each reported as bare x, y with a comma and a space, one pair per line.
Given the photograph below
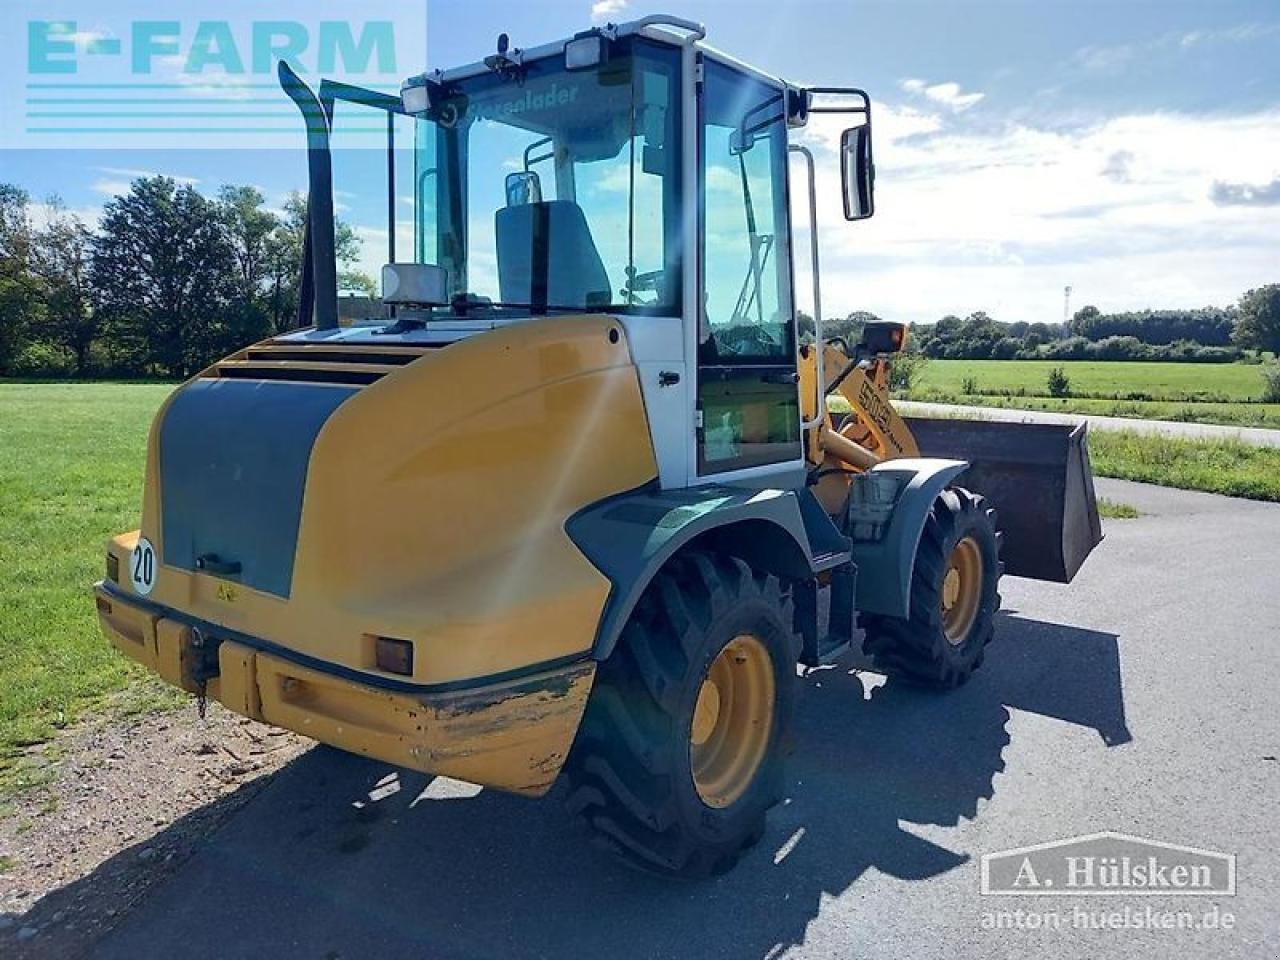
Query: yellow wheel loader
575, 500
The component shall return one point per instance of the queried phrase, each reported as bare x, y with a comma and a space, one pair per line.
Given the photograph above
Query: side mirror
415, 284
857, 173
523, 188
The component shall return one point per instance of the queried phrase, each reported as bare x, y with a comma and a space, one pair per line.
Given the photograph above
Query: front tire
954, 598
680, 752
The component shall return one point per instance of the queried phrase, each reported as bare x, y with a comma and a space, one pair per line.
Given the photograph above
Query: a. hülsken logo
1109, 863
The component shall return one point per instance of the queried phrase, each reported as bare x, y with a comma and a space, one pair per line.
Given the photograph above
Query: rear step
820, 647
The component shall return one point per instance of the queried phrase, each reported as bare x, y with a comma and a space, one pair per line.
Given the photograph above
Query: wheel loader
576, 499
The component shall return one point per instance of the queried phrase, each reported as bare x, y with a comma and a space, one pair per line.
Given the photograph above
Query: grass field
1216, 466
1227, 393
70, 475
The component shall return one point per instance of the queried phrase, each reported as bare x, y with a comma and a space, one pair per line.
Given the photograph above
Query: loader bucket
1037, 476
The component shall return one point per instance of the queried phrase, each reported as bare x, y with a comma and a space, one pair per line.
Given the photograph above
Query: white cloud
1105, 59
119, 180
1238, 34
1001, 219
948, 94
605, 9
1115, 58
135, 173
110, 188
42, 214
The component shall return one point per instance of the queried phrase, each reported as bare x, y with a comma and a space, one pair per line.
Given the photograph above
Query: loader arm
1038, 476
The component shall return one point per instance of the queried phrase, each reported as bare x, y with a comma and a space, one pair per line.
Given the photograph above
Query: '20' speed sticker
142, 567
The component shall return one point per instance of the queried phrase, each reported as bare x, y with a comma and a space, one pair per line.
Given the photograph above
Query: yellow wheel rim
961, 590
732, 720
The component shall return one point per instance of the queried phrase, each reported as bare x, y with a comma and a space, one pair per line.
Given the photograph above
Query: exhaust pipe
319, 286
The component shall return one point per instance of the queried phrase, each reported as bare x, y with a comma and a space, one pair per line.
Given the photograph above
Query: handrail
697, 30
820, 401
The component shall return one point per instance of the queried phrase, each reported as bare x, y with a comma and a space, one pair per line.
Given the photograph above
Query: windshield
554, 188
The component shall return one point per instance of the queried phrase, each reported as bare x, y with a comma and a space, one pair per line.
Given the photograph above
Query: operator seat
546, 256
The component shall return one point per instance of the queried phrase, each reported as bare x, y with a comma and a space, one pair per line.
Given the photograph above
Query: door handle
212, 563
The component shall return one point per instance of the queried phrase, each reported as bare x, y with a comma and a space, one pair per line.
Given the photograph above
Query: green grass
7, 864
1115, 510
1185, 382
1227, 414
71, 470
1216, 466
1222, 393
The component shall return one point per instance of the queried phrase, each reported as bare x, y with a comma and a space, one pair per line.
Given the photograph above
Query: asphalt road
1140, 699
1259, 436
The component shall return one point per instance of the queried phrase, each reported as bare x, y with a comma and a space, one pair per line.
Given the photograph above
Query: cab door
748, 413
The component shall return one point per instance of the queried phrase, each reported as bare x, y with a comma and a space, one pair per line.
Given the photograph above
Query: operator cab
630, 171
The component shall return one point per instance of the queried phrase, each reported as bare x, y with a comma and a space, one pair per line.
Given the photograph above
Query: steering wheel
751, 335
641, 282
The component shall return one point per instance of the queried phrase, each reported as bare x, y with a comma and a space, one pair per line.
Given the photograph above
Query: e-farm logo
200, 74
1108, 864
56, 46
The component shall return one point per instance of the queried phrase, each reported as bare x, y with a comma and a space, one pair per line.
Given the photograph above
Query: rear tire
672, 779
954, 598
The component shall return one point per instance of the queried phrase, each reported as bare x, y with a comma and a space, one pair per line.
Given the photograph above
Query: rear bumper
513, 735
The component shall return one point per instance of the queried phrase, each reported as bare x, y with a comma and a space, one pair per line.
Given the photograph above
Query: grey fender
884, 566
630, 537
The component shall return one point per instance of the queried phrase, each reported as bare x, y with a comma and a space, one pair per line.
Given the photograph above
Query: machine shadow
344, 857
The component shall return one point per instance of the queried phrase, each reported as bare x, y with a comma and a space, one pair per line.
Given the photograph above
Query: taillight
113, 568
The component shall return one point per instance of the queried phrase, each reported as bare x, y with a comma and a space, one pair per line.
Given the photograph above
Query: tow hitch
202, 667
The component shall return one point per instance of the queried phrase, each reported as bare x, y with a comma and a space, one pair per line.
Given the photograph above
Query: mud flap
1037, 476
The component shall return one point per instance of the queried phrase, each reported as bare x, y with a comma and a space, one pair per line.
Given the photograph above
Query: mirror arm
863, 105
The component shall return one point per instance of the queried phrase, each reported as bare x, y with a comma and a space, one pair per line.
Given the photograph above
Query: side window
631, 200
372, 148
747, 394
747, 308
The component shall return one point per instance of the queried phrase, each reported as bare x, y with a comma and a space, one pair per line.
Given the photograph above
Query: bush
1006, 348
969, 385
1120, 348
42, 359
1271, 383
904, 369
1059, 383
1072, 348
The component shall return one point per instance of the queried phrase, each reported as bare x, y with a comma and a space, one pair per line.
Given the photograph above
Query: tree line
168, 282
1205, 335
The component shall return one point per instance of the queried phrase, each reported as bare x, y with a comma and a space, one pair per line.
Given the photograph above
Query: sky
1128, 149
